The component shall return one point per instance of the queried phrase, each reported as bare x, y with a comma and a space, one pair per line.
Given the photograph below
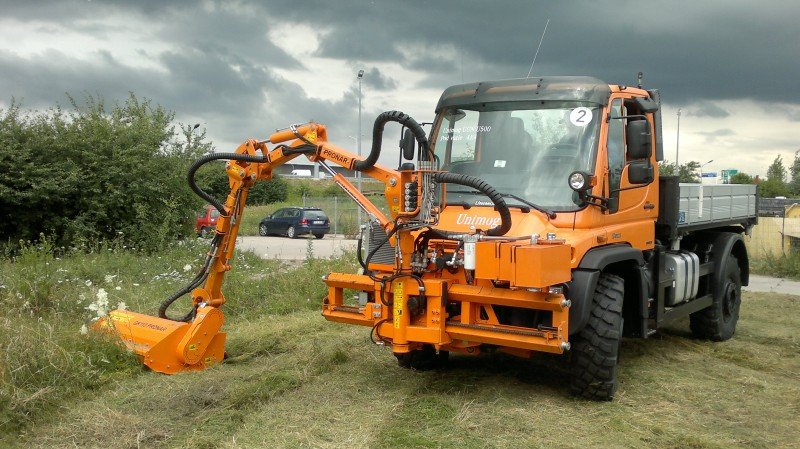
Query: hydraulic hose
303, 149
483, 187
198, 279
377, 136
203, 274
213, 157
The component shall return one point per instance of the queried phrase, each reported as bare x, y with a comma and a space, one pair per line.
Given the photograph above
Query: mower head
168, 346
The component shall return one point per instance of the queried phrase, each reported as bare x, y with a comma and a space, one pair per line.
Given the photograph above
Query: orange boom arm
196, 341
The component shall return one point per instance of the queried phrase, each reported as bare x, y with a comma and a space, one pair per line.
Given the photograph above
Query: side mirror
640, 172
638, 136
407, 145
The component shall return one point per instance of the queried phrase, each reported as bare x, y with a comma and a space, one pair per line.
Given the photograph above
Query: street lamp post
678, 141
358, 136
189, 136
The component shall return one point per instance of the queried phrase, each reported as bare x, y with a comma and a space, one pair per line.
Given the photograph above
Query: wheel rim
290, 231
262, 229
730, 301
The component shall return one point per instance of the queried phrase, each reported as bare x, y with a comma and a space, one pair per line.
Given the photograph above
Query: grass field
294, 380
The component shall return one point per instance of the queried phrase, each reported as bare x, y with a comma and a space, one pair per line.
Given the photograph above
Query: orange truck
530, 219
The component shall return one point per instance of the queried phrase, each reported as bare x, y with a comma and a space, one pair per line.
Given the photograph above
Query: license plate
319, 221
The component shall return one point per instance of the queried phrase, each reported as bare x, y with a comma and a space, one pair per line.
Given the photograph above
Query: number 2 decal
580, 116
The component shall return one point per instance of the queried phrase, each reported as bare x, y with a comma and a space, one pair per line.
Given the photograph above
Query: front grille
385, 254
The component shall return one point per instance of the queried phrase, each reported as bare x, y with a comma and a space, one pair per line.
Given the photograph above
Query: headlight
578, 181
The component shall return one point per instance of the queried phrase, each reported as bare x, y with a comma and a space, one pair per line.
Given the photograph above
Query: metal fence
776, 233
342, 212
775, 207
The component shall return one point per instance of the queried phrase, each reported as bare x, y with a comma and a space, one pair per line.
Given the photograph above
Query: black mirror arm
622, 117
603, 201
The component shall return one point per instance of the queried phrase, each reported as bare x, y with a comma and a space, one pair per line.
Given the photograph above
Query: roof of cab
546, 88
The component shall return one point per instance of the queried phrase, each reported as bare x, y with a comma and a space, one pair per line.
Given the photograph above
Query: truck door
631, 204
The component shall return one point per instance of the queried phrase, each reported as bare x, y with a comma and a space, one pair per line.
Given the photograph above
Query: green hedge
95, 174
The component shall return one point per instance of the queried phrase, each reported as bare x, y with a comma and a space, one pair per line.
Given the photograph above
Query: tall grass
782, 266
48, 301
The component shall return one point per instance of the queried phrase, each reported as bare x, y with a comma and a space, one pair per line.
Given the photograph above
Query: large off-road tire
291, 233
595, 349
425, 358
262, 230
718, 321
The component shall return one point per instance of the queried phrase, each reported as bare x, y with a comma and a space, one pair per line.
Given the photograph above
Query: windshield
523, 149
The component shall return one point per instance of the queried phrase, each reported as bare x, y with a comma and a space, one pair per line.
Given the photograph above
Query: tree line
780, 181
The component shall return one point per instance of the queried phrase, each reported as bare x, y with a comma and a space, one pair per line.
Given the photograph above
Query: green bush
93, 174
267, 192
212, 179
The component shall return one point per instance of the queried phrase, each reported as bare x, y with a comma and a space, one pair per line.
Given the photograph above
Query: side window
616, 146
280, 214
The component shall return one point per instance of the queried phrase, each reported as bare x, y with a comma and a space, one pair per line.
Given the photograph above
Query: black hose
213, 157
377, 136
198, 279
483, 187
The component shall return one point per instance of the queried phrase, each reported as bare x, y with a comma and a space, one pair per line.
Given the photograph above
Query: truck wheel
595, 349
423, 359
319, 236
262, 230
291, 232
718, 321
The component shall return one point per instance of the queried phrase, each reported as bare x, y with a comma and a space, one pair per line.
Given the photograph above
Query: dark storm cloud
220, 66
708, 110
691, 50
712, 136
377, 80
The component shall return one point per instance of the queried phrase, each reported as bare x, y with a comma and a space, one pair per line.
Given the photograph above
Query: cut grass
296, 381
46, 362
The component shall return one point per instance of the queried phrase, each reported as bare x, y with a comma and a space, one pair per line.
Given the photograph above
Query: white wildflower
122, 306
88, 283
135, 284
117, 288
110, 278
187, 267
102, 296
84, 330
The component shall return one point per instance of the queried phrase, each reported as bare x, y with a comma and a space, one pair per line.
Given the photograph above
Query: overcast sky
242, 69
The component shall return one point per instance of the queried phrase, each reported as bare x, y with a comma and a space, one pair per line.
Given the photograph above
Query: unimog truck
531, 218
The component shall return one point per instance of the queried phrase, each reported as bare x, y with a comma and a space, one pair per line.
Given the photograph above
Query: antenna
537, 48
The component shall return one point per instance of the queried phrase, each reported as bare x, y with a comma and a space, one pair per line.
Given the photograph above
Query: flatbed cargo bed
693, 207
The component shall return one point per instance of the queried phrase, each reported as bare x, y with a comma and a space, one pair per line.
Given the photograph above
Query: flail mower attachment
168, 346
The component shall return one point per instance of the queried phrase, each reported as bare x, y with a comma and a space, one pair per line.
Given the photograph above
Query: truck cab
576, 161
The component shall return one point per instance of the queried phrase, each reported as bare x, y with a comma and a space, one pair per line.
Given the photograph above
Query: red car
206, 221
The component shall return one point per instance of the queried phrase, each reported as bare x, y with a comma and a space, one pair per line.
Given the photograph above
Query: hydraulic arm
432, 294
195, 340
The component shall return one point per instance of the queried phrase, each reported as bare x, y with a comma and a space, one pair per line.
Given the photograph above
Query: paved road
773, 285
285, 248
332, 245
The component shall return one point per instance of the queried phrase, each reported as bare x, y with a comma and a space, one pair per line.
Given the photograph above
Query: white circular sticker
580, 116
